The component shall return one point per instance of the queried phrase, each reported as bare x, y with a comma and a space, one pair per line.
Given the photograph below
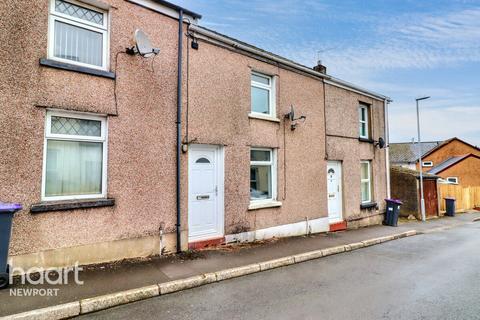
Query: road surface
432, 276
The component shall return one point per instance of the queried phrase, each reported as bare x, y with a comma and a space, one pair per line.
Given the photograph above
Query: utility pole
422, 199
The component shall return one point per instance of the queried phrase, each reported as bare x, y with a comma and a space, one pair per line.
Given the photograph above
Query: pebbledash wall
142, 139
344, 145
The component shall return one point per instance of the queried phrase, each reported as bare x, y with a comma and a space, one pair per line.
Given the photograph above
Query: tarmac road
432, 276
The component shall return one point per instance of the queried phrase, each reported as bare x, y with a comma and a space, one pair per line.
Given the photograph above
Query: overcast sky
403, 49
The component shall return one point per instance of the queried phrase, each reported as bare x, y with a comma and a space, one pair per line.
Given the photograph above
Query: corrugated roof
447, 163
408, 151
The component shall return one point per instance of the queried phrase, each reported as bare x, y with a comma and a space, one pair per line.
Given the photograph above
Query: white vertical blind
73, 168
78, 44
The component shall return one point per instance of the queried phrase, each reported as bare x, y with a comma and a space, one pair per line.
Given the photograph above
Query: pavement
112, 278
430, 276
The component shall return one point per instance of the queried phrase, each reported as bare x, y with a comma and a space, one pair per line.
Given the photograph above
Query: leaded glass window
74, 164
78, 34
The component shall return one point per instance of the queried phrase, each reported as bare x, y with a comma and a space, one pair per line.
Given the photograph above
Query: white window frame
452, 178
105, 30
271, 95
273, 164
365, 107
64, 137
427, 164
369, 180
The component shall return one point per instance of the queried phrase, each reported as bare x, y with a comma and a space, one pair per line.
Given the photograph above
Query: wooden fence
467, 198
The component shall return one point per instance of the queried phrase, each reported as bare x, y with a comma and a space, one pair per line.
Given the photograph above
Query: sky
402, 49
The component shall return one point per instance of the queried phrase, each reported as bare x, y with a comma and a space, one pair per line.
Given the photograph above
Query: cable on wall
115, 81
189, 37
284, 137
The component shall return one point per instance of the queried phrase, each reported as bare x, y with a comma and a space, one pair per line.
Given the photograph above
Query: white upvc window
78, 34
427, 163
263, 175
263, 95
366, 181
363, 118
453, 180
75, 156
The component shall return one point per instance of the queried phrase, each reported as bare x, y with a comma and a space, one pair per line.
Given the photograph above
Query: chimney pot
320, 68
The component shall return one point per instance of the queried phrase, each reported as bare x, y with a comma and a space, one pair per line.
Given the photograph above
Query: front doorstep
206, 243
338, 226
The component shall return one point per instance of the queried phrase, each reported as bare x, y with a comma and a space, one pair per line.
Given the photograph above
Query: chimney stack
320, 67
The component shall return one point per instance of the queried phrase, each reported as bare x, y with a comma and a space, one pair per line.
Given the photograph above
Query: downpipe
179, 128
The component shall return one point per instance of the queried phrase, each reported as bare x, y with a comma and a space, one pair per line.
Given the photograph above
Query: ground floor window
453, 180
75, 156
263, 174
366, 181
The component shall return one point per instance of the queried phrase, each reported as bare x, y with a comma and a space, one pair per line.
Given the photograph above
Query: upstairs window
263, 98
363, 114
366, 181
78, 34
75, 156
427, 164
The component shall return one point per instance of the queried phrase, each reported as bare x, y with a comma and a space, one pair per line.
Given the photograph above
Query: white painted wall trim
286, 230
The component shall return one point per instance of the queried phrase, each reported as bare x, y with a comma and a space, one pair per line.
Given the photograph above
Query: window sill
262, 205
368, 140
71, 67
263, 117
369, 205
70, 205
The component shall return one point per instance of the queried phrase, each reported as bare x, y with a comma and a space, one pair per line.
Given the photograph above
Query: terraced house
130, 130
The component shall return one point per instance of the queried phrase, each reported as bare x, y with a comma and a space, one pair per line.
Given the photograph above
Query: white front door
205, 192
334, 191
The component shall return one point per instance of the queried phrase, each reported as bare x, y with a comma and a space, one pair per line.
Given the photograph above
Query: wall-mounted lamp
291, 116
194, 43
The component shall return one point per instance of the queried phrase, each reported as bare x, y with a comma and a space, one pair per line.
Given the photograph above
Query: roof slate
408, 151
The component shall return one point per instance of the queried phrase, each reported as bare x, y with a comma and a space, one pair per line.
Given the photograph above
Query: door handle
203, 197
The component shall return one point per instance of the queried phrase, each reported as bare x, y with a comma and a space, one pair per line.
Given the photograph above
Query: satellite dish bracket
291, 116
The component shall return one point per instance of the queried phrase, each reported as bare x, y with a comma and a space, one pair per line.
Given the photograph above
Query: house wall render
140, 107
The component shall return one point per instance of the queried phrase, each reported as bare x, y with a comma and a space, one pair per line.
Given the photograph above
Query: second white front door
334, 191
205, 192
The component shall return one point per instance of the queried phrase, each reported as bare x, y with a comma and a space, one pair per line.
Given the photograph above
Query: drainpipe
387, 149
179, 127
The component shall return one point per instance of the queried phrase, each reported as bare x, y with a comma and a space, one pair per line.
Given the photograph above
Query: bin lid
10, 207
449, 198
396, 201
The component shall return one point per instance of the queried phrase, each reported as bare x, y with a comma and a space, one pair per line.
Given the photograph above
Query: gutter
350, 86
178, 8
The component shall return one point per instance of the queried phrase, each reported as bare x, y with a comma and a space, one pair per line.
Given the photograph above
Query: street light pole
422, 199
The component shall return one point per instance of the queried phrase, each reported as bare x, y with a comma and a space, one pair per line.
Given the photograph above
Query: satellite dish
143, 45
381, 143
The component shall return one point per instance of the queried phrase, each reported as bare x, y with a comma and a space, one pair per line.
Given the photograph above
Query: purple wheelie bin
7, 210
